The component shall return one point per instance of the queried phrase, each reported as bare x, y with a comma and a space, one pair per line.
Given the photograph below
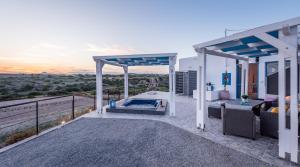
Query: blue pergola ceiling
140, 61
249, 46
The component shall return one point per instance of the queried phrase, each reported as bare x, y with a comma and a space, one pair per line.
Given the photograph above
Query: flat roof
137, 59
246, 43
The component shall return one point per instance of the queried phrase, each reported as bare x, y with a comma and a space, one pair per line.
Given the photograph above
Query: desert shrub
26, 87
10, 96
33, 94
72, 88
3, 91
56, 93
59, 88
18, 136
45, 88
88, 87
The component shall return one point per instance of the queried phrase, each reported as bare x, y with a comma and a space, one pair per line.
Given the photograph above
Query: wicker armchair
239, 122
269, 123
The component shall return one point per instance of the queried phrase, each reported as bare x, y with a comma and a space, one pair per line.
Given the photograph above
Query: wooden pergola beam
220, 54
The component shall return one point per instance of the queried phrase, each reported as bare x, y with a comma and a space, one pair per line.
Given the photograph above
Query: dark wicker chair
269, 123
239, 122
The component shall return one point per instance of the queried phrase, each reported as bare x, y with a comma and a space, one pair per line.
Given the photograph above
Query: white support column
201, 90
244, 83
172, 87
125, 82
99, 87
288, 138
281, 104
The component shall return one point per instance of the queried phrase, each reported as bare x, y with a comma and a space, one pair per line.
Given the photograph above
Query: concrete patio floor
263, 148
123, 142
71, 144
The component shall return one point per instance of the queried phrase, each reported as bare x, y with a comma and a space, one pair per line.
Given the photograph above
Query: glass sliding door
272, 77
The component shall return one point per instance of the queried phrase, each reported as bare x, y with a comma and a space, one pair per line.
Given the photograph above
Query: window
272, 67
272, 77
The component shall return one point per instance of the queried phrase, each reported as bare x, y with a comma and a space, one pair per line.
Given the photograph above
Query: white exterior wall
215, 67
189, 63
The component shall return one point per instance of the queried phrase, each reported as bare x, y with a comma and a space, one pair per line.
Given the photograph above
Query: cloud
44, 53
11, 58
109, 49
53, 58
48, 46
55, 69
47, 50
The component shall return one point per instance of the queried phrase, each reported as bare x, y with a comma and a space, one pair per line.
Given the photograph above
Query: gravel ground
123, 142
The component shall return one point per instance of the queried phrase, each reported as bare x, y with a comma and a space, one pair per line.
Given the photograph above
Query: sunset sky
61, 36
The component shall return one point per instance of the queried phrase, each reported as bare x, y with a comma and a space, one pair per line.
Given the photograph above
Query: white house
217, 65
261, 61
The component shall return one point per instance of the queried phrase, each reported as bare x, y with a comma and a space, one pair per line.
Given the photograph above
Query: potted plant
244, 98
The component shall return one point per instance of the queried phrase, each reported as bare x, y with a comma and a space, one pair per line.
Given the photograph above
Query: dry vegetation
16, 86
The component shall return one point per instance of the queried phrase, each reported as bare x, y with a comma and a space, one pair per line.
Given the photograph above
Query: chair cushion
274, 110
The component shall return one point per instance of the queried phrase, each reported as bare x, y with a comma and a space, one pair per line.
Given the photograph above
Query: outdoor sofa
239, 121
269, 123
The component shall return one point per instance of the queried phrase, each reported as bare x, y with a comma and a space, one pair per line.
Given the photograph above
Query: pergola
281, 39
125, 61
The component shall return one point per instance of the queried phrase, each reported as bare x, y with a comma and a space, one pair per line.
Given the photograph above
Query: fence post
94, 102
108, 95
37, 116
73, 107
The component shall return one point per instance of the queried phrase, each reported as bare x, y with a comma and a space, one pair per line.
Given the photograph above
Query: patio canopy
282, 39
136, 60
250, 46
255, 42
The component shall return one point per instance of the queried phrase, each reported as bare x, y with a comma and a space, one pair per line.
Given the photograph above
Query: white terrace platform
263, 148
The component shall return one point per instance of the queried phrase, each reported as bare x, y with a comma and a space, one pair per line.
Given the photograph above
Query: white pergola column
287, 45
201, 90
125, 82
172, 87
288, 138
244, 83
99, 86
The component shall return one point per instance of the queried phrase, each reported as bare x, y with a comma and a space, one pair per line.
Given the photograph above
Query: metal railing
38, 115
22, 120
36, 105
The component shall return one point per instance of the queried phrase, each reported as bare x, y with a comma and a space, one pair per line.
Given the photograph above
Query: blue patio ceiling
249, 46
140, 61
